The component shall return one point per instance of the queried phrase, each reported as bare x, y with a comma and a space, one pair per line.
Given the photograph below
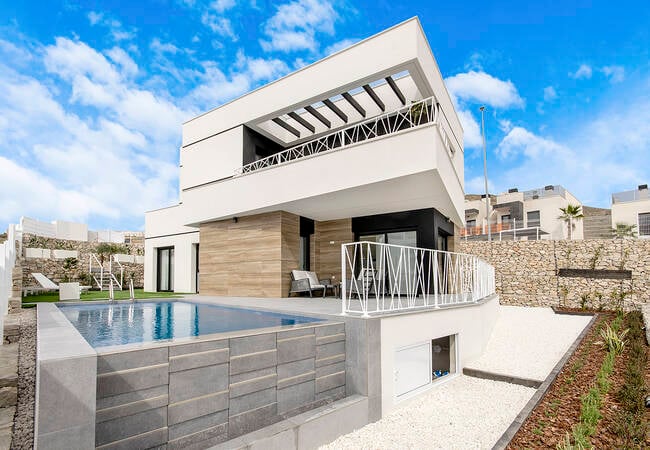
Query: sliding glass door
399, 271
165, 269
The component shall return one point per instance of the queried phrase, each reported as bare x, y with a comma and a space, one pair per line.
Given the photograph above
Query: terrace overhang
340, 184
379, 74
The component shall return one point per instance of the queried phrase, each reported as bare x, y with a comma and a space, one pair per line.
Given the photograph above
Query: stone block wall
54, 268
527, 271
199, 394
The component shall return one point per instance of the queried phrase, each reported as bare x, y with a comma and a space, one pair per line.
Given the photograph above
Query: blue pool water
116, 324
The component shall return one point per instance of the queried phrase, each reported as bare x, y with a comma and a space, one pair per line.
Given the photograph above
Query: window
471, 223
505, 218
532, 218
644, 224
165, 269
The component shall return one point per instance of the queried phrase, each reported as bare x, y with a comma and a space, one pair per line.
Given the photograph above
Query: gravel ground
462, 413
528, 342
23, 435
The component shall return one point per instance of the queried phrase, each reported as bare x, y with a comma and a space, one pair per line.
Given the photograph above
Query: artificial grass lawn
100, 295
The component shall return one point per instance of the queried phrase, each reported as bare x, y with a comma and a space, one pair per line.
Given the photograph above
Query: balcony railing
418, 114
506, 230
380, 278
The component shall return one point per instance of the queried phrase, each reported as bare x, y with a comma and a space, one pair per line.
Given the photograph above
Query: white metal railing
119, 282
379, 278
420, 113
97, 269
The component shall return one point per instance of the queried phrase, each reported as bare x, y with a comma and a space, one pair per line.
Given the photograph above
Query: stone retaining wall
527, 271
55, 269
199, 394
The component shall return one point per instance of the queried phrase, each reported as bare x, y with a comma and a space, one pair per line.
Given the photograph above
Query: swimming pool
108, 324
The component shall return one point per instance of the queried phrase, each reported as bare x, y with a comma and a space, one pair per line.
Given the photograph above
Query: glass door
166, 269
405, 278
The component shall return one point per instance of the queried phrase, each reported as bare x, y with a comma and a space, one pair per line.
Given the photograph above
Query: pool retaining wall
202, 393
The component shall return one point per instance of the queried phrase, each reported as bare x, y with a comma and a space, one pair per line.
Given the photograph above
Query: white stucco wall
549, 210
184, 261
472, 324
364, 166
628, 212
211, 159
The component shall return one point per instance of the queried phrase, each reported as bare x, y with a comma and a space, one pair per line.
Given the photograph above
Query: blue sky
93, 93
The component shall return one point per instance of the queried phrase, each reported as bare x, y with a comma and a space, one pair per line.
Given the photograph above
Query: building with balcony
531, 214
364, 144
633, 208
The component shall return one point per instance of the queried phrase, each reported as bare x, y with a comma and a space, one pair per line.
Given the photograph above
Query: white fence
7, 262
381, 278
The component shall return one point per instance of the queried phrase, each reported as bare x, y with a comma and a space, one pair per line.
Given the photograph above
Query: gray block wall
203, 393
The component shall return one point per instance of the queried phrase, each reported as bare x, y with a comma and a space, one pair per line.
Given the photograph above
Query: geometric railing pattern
423, 112
380, 278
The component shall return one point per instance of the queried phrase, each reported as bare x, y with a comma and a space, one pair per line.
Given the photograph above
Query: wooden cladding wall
326, 254
251, 257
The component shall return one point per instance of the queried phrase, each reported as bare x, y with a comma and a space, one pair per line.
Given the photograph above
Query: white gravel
529, 342
462, 413
468, 412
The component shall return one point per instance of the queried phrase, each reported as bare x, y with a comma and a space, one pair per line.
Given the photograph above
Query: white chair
72, 290
305, 281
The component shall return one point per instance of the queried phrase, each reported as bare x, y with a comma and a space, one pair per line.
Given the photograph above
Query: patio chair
305, 281
47, 285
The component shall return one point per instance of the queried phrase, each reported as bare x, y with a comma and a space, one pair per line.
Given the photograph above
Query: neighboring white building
531, 214
74, 231
633, 208
363, 144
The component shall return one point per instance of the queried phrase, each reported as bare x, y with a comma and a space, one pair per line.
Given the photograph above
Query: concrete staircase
103, 273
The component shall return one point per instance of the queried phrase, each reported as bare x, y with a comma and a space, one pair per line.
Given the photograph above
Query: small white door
412, 368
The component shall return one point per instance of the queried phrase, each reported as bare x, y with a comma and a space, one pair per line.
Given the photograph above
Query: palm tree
570, 214
623, 230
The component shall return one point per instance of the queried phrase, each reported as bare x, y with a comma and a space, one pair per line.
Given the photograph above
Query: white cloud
593, 160
472, 132
294, 25
583, 72
95, 17
481, 87
110, 166
222, 5
549, 94
115, 26
521, 142
616, 74
163, 47
219, 25
215, 87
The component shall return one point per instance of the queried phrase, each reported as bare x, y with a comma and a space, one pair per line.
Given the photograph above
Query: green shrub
613, 341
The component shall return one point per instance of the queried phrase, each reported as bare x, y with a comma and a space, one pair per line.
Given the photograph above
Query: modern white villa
531, 214
362, 145
340, 186
633, 208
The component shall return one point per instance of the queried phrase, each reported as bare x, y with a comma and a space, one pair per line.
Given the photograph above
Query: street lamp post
485, 174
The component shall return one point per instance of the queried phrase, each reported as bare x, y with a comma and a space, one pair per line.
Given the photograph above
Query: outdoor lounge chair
305, 281
47, 285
